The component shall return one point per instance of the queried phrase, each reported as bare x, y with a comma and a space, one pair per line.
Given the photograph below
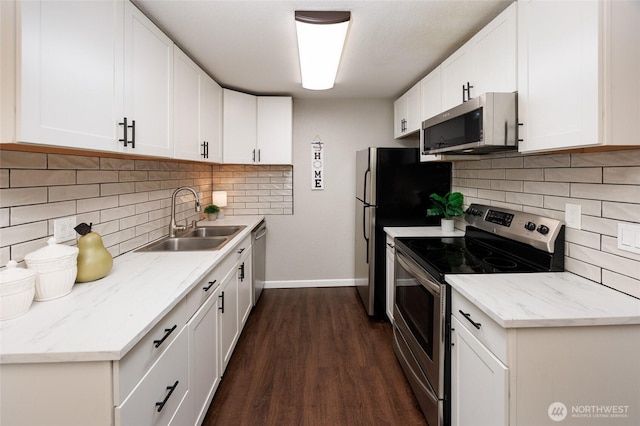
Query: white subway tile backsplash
73, 192
10, 197
97, 176
27, 214
629, 285
107, 189
622, 193
17, 234
61, 161
587, 174
622, 175
109, 163
97, 204
4, 178
605, 184
23, 177
21, 160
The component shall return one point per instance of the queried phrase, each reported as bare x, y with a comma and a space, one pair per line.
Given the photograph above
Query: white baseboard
310, 283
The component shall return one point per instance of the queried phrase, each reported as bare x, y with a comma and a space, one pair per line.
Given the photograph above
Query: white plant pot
446, 225
212, 216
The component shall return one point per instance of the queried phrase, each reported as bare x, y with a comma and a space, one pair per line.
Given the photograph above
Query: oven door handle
419, 273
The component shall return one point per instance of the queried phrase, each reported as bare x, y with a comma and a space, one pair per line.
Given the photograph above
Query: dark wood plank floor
313, 357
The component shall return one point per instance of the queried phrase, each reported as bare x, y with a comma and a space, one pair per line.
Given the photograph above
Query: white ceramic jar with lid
56, 268
17, 288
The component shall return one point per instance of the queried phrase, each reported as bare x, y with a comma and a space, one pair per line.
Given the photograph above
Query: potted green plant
449, 206
212, 211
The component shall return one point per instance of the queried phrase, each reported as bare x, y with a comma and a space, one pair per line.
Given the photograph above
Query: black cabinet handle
241, 269
160, 405
468, 317
167, 332
221, 302
258, 156
464, 90
211, 283
126, 129
241, 250
254, 156
133, 133
519, 125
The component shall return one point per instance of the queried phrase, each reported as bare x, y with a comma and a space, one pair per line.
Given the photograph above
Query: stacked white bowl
56, 267
17, 288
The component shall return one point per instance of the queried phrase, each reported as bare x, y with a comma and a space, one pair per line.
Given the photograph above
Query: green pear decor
94, 260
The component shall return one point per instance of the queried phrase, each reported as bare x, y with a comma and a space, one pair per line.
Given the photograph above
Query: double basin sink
196, 239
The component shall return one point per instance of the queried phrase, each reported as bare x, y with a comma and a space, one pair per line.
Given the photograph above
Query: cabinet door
186, 107
211, 118
228, 311
457, 70
274, 129
495, 55
479, 382
431, 94
414, 105
203, 355
558, 74
70, 73
390, 278
148, 84
399, 116
245, 290
239, 128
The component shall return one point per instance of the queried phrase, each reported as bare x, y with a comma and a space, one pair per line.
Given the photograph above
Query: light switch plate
63, 229
629, 237
573, 216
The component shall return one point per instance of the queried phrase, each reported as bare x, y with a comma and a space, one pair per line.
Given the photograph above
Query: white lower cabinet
480, 387
169, 377
517, 376
204, 354
157, 397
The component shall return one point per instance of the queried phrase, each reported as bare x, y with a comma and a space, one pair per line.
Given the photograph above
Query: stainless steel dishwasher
259, 251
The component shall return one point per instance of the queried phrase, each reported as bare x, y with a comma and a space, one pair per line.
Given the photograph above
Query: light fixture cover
219, 198
321, 36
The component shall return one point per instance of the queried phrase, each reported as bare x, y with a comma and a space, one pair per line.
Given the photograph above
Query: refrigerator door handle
364, 228
364, 192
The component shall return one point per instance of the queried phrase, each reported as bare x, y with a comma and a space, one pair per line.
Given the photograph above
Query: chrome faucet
173, 227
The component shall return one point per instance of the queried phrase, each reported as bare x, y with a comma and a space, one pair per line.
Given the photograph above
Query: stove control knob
530, 226
544, 230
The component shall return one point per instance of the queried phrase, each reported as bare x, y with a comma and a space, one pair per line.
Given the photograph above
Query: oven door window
418, 307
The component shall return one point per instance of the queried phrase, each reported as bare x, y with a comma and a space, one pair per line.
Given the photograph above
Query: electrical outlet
573, 216
629, 237
63, 229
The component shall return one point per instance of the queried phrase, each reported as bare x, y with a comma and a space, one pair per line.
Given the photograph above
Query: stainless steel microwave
487, 123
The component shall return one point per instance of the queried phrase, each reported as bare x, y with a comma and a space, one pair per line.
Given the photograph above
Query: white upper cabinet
69, 70
486, 63
407, 113
239, 127
256, 129
275, 124
578, 68
148, 86
197, 112
431, 94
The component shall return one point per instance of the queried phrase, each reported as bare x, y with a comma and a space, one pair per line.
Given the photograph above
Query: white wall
317, 241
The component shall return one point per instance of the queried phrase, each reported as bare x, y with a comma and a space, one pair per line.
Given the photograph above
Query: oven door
420, 306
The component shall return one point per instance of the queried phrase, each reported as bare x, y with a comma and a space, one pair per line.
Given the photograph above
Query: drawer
207, 286
490, 333
130, 369
157, 397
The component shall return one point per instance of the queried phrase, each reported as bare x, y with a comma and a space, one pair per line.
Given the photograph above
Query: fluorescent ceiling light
321, 38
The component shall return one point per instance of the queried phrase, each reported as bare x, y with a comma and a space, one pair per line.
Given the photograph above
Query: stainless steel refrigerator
392, 189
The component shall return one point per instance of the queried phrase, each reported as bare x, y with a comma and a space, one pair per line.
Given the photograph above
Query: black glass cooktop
460, 255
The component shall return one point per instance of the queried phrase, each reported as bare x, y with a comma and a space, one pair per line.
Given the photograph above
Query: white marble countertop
420, 231
550, 299
102, 320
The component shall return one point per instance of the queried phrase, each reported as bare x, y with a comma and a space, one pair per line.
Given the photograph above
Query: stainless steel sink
186, 244
212, 231
196, 239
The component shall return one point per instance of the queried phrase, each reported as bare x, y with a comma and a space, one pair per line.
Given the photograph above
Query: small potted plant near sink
212, 211
449, 206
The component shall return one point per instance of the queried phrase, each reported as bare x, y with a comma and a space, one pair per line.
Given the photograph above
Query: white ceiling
251, 45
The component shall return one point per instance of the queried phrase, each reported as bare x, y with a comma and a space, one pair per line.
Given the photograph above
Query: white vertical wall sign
317, 164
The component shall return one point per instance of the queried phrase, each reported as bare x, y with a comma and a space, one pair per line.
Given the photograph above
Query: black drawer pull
468, 317
221, 307
241, 250
211, 283
160, 405
167, 332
